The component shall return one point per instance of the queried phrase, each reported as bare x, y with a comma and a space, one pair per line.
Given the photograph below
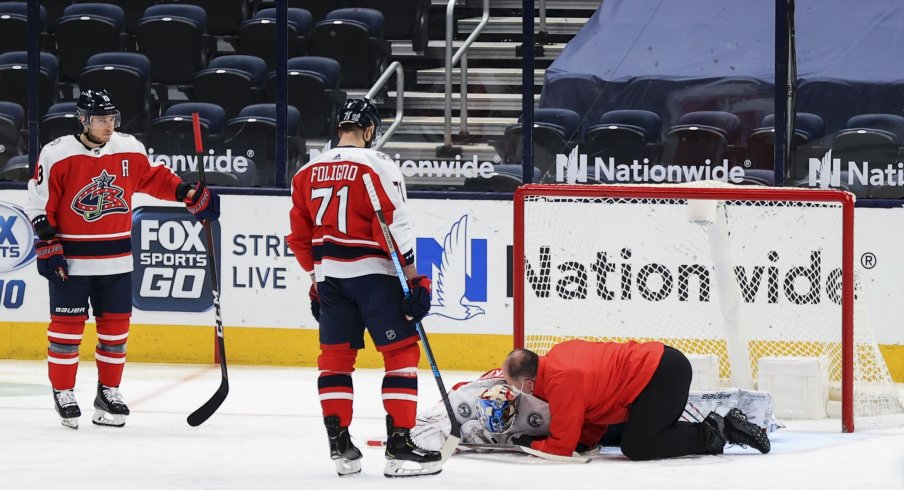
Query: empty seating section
86, 29
625, 135
354, 37
231, 81
14, 25
313, 89
14, 79
173, 37
12, 117
257, 36
60, 120
127, 77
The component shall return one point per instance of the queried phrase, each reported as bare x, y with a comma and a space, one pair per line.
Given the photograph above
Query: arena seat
60, 120
231, 81
16, 169
223, 16
173, 133
86, 29
14, 26
699, 136
257, 36
555, 132
873, 138
12, 116
127, 77
404, 19
624, 135
313, 88
317, 8
14, 79
808, 128
344, 35
134, 10
253, 134
173, 38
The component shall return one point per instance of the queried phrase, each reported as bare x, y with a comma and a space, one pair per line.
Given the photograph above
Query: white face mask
520, 391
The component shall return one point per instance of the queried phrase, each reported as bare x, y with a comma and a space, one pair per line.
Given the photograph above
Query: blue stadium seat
223, 16
313, 88
699, 136
555, 131
173, 38
353, 37
253, 133
404, 19
257, 36
11, 117
808, 130
86, 29
624, 135
231, 81
127, 77
873, 138
317, 8
14, 79
173, 133
60, 120
16, 169
14, 26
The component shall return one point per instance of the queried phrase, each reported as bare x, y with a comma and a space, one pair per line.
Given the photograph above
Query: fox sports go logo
171, 266
16, 251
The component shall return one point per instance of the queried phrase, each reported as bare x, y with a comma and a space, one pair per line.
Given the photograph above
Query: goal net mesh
741, 278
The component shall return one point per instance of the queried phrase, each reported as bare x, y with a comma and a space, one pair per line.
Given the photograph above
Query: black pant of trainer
653, 429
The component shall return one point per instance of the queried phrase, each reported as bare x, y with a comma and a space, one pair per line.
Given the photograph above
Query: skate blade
102, 417
347, 467
71, 423
398, 468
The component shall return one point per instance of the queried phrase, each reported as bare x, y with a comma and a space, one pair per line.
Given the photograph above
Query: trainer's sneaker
111, 410
713, 427
739, 431
343, 452
405, 458
65, 405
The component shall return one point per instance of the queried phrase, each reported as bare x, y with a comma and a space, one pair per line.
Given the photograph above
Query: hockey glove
315, 302
522, 440
204, 204
417, 304
51, 262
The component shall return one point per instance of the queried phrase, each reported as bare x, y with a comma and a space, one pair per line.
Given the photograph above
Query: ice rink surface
269, 435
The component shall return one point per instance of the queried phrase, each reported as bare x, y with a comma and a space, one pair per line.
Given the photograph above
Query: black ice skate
343, 452
111, 411
65, 405
713, 427
405, 458
739, 431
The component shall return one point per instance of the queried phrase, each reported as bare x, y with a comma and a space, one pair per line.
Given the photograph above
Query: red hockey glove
417, 304
204, 204
315, 302
51, 261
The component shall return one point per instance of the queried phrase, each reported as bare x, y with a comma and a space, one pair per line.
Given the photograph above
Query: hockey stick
455, 431
508, 448
203, 413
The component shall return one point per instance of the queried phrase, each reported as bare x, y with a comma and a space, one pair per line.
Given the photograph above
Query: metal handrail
451, 61
542, 15
394, 67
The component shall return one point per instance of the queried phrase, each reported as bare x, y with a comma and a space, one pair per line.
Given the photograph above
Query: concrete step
512, 25
476, 102
435, 125
478, 51
478, 76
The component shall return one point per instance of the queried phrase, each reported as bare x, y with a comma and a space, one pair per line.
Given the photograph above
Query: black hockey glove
417, 304
204, 204
315, 302
51, 261
522, 440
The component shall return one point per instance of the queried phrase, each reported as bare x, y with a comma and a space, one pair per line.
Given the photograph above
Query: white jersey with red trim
335, 232
86, 195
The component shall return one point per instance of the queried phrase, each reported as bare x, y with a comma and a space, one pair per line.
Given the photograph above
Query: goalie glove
315, 302
204, 204
522, 440
51, 261
417, 304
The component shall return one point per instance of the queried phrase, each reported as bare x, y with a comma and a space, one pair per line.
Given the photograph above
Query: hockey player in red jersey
590, 385
338, 241
80, 204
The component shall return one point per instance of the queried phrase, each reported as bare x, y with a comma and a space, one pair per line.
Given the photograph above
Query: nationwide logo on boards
171, 269
572, 168
827, 172
458, 269
17, 238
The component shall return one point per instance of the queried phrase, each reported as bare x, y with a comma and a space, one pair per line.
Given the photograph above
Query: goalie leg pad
334, 385
400, 384
110, 354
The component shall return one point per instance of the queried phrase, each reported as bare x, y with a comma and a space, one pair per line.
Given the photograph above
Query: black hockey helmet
96, 103
361, 112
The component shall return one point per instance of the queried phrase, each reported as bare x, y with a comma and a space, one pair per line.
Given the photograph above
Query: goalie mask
94, 107
362, 113
496, 408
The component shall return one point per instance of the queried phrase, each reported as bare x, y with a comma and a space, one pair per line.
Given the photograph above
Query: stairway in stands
494, 81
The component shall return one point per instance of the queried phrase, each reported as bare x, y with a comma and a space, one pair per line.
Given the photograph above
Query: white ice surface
269, 435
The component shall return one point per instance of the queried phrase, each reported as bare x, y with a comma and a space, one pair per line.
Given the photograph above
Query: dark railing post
527, 85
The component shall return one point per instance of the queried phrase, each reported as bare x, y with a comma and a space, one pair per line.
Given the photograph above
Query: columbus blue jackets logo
459, 278
100, 198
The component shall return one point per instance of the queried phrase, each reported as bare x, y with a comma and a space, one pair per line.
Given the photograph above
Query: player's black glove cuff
522, 440
43, 228
182, 191
315, 302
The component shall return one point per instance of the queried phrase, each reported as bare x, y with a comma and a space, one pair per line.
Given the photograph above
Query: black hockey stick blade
203, 413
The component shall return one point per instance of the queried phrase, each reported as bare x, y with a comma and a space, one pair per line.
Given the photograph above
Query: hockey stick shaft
455, 433
203, 413
508, 448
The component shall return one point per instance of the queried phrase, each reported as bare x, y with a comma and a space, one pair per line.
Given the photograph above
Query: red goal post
544, 211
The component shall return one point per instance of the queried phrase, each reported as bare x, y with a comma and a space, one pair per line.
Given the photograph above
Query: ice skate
65, 405
714, 433
343, 452
739, 431
111, 410
405, 458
